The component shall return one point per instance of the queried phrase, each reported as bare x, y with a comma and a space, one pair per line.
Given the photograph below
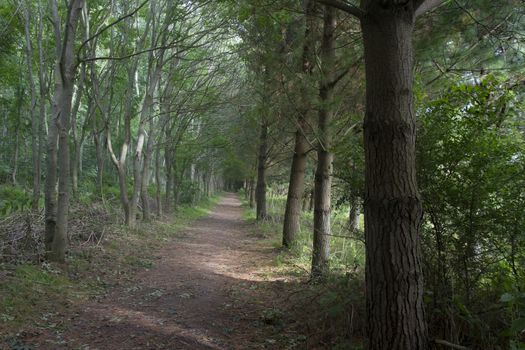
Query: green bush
13, 199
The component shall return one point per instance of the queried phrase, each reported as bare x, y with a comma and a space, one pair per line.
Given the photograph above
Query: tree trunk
41, 106
146, 173
323, 173
168, 160
158, 194
137, 173
64, 78
50, 195
260, 194
50, 192
98, 154
77, 143
35, 122
311, 195
292, 215
19, 103
393, 212
353, 214
252, 193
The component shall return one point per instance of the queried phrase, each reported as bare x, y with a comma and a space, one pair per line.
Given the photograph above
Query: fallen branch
450, 345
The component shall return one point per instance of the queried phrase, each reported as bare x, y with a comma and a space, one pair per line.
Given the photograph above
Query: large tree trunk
260, 192
292, 213
323, 173
393, 212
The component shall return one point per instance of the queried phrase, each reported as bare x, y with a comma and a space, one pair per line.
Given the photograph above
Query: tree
65, 70
393, 210
323, 172
299, 161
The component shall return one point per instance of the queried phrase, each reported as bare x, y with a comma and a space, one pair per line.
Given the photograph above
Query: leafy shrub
13, 199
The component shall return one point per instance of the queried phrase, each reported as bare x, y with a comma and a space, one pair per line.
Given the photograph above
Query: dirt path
207, 291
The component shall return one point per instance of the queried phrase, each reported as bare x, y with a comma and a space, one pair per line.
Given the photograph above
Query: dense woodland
381, 144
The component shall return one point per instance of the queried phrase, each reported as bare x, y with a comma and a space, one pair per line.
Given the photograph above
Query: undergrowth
328, 313
31, 292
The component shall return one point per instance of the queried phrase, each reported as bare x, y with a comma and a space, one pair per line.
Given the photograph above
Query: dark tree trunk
168, 159
50, 192
260, 194
252, 193
323, 174
393, 212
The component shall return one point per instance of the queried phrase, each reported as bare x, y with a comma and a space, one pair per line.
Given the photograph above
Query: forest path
208, 290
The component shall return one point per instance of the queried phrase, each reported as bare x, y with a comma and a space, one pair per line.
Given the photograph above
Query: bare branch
343, 6
424, 6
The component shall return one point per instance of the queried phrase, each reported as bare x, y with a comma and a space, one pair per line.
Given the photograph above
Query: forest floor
211, 287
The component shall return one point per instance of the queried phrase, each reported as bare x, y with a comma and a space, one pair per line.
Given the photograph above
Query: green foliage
13, 199
515, 302
470, 163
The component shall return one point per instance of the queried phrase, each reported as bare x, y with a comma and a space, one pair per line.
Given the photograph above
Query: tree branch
424, 6
118, 20
343, 6
450, 345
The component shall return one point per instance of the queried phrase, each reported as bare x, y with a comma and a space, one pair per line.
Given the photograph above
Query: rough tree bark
393, 211
299, 161
323, 173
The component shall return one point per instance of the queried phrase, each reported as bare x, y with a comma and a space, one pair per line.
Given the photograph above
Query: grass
334, 307
30, 293
347, 252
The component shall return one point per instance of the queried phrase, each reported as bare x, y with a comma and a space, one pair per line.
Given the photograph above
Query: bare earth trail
207, 291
